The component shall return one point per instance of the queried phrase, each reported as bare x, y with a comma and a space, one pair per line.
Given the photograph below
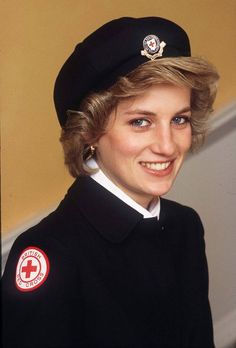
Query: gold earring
89, 151
92, 150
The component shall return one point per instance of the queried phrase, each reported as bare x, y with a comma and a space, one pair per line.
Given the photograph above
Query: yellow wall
37, 37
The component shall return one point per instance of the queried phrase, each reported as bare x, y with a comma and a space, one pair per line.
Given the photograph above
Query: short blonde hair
86, 126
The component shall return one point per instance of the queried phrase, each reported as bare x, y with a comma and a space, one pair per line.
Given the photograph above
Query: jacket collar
110, 216
101, 178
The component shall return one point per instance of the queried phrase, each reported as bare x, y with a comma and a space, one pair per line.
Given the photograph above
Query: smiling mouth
158, 166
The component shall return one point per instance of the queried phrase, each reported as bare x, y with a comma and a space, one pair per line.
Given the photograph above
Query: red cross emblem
151, 44
32, 269
28, 269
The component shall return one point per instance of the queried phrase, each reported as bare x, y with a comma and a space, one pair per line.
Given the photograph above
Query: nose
163, 142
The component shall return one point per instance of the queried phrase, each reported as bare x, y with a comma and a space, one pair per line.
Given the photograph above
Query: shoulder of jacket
189, 219
50, 233
178, 207
48, 238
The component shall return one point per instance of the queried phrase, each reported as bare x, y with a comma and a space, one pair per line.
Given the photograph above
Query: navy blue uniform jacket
115, 279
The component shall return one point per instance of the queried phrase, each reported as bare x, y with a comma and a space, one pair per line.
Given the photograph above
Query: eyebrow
150, 113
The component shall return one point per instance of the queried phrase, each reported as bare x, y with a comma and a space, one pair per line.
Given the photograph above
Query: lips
157, 166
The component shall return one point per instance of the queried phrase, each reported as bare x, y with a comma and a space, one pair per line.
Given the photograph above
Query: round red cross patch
32, 269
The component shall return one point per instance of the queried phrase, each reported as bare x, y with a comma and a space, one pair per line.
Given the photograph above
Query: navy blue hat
114, 50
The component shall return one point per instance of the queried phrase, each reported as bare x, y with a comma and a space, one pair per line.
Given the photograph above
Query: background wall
36, 38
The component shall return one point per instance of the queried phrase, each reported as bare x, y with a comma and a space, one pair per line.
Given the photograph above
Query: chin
160, 191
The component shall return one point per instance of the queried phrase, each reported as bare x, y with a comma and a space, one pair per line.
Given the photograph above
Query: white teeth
156, 166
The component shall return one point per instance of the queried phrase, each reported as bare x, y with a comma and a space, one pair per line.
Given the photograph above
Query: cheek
123, 146
189, 140
185, 141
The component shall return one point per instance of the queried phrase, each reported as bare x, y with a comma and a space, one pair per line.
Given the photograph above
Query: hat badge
153, 47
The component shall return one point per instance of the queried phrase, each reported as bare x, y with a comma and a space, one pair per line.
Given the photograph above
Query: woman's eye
140, 122
180, 120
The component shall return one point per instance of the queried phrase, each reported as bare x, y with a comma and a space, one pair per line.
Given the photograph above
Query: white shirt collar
102, 179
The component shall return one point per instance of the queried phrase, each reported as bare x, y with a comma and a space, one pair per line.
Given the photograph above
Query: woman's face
146, 141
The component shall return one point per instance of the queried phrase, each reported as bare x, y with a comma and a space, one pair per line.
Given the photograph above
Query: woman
116, 265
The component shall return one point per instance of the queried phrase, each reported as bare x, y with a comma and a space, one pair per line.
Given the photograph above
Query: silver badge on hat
153, 48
